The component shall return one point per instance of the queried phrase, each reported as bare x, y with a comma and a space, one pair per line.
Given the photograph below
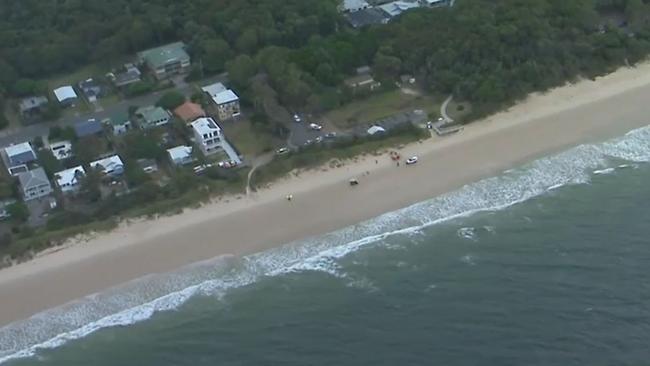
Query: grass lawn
382, 105
109, 100
250, 141
74, 77
217, 156
459, 110
74, 112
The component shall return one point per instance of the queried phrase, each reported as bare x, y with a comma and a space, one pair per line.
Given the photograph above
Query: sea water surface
546, 264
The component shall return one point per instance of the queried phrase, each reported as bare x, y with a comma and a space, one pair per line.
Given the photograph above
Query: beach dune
323, 201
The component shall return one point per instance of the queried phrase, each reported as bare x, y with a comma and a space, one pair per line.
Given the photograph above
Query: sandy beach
323, 201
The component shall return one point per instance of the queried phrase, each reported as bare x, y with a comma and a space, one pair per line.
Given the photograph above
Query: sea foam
140, 299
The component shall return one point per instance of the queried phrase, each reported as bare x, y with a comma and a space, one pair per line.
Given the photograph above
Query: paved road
301, 133
443, 109
28, 133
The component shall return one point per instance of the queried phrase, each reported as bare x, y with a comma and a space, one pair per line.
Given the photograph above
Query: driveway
28, 133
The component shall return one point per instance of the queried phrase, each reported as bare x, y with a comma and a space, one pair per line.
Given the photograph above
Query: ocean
545, 264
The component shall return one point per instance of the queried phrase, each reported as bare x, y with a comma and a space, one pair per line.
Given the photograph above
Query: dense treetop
488, 52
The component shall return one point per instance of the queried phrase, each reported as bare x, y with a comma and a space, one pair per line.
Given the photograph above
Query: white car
296, 118
282, 151
412, 160
315, 127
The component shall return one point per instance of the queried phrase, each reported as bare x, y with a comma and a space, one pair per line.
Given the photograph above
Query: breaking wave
140, 299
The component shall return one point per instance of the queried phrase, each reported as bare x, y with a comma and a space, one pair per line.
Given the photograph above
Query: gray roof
160, 56
129, 76
366, 17
33, 178
90, 86
32, 102
88, 128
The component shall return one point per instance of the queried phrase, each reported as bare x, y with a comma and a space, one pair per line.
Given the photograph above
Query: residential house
90, 127
189, 111
69, 180
18, 156
128, 75
396, 8
362, 82
349, 6
91, 89
66, 96
166, 61
111, 166
61, 149
32, 106
180, 155
119, 123
34, 184
148, 165
207, 134
366, 17
226, 100
151, 116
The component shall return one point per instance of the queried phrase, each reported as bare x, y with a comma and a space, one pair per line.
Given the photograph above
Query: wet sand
323, 201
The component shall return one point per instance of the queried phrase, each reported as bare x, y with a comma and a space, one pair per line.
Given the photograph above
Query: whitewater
138, 300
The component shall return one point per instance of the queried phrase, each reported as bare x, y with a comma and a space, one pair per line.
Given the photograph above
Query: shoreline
588, 111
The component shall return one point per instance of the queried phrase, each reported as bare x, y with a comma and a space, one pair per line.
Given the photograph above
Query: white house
61, 150
207, 134
34, 184
111, 166
180, 155
69, 180
65, 95
350, 6
396, 8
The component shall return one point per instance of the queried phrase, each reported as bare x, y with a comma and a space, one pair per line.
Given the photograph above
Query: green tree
134, 175
387, 67
24, 87
171, 99
18, 211
51, 111
88, 149
215, 54
49, 162
91, 185
241, 70
142, 145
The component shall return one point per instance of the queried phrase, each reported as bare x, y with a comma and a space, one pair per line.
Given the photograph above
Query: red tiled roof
189, 111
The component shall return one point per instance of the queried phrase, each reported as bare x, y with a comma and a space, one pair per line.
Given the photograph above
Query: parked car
308, 142
200, 169
330, 135
296, 118
412, 160
315, 126
319, 139
282, 151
